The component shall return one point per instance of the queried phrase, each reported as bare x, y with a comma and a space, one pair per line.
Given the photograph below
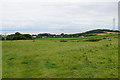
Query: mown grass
50, 58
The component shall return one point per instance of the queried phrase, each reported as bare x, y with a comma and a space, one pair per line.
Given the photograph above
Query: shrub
104, 38
63, 40
94, 39
2, 38
24, 62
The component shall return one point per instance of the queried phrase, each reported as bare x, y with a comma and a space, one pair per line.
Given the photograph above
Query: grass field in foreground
47, 58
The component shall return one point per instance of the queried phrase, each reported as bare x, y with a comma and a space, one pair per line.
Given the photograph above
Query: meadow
50, 58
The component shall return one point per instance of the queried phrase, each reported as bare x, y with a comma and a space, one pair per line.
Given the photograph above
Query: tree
44, 35
62, 34
18, 36
17, 33
10, 37
1, 37
27, 36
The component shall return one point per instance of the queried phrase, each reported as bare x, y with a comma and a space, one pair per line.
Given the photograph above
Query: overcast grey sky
53, 16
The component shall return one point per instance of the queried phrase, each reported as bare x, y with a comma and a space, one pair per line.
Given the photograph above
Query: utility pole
119, 16
113, 23
5, 36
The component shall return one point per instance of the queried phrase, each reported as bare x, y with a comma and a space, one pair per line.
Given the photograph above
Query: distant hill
84, 34
101, 31
97, 31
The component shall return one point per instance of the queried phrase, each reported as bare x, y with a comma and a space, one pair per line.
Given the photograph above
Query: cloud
57, 16
60, 1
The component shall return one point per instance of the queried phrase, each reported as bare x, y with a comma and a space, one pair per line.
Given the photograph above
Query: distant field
78, 37
50, 58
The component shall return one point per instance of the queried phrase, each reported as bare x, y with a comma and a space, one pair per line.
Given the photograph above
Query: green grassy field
50, 58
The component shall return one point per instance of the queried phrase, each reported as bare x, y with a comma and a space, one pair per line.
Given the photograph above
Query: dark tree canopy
17, 33
28, 36
19, 36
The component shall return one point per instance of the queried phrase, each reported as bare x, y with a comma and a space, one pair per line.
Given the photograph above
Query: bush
2, 38
104, 38
63, 40
94, 39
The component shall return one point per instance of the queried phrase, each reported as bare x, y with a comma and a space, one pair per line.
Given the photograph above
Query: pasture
50, 58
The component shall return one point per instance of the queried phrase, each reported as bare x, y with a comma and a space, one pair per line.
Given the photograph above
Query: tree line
19, 36
16, 36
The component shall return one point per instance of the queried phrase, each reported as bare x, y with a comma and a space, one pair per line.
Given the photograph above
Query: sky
56, 16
